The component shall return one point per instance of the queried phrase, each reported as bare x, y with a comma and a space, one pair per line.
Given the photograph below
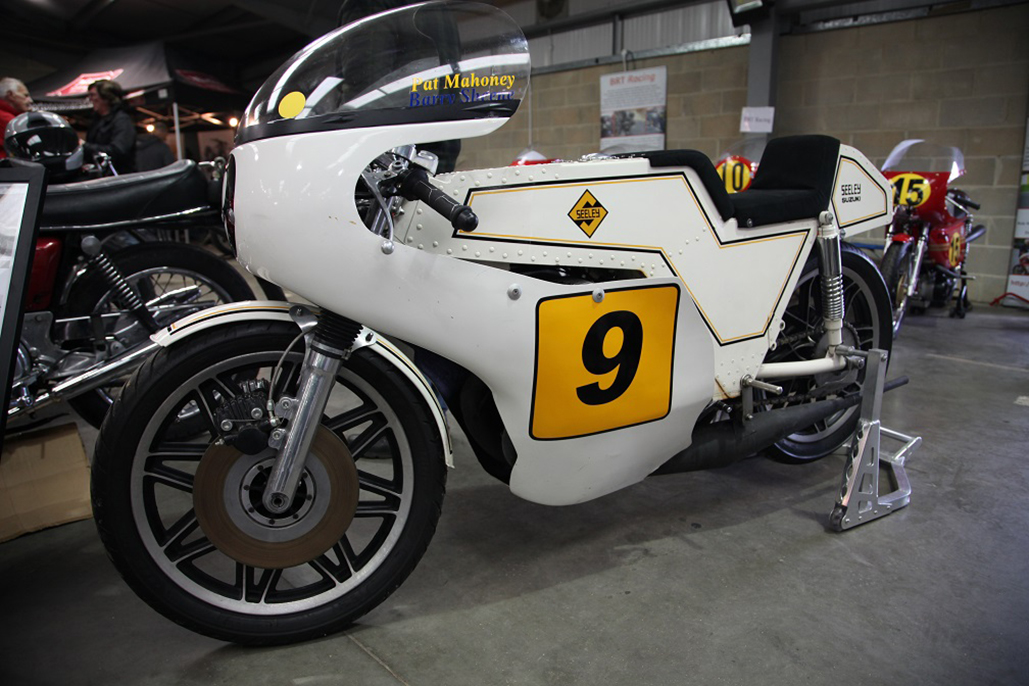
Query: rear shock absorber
830, 266
116, 280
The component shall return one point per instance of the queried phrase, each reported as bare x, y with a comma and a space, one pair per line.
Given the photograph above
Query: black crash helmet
42, 137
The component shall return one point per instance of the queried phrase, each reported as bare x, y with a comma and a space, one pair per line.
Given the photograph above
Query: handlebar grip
416, 186
961, 198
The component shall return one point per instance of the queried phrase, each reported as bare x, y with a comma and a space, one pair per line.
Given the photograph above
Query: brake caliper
242, 421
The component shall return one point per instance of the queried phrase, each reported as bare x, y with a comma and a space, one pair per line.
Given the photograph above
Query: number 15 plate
603, 366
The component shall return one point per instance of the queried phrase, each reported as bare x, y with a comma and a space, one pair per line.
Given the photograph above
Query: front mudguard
274, 310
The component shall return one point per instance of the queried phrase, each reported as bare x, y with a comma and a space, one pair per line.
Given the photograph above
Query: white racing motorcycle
275, 471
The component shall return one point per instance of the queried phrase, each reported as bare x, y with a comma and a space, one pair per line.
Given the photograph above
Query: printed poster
633, 110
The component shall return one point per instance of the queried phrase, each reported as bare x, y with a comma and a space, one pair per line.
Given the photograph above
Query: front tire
144, 501
898, 270
867, 324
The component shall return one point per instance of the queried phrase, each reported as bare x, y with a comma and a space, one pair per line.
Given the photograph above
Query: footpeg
861, 497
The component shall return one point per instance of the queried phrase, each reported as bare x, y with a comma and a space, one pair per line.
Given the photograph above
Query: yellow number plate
735, 173
603, 366
910, 189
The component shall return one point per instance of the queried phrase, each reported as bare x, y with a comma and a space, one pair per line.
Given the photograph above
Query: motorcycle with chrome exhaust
586, 324
97, 289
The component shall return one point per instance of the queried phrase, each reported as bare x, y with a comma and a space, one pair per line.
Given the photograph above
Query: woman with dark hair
112, 131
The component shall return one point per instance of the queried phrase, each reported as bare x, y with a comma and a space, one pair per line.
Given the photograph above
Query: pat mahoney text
460, 88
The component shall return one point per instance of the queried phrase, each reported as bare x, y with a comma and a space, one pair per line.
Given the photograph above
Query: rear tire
143, 492
866, 325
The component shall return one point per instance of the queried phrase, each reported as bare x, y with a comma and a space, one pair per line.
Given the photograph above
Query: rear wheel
182, 518
866, 325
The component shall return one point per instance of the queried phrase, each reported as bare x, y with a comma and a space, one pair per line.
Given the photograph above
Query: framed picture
21, 198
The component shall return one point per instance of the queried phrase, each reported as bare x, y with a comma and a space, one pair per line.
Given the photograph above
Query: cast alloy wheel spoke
322, 566
369, 437
378, 486
175, 547
351, 418
257, 583
176, 478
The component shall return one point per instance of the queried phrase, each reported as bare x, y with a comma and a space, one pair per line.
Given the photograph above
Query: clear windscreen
435, 61
920, 156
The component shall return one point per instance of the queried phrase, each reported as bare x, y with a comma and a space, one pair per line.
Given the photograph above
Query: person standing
152, 151
14, 100
112, 131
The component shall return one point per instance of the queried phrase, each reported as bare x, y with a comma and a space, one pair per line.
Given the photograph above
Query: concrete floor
723, 577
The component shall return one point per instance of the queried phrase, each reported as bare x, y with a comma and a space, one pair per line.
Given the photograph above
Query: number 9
626, 360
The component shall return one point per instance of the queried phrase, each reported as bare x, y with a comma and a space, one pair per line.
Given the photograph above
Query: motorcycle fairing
296, 224
270, 310
861, 197
659, 223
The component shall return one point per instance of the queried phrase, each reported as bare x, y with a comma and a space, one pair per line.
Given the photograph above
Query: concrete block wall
705, 93
960, 79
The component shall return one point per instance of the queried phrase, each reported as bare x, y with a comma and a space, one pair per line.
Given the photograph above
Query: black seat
793, 181
130, 197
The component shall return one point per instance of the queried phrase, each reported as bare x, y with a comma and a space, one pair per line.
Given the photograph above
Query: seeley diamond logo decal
588, 213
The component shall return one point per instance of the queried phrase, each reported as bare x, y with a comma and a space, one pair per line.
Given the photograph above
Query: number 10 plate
605, 365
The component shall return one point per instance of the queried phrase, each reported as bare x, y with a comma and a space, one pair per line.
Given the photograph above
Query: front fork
916, 267
329, 343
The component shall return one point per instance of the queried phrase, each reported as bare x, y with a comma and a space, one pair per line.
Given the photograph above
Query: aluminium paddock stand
860, 499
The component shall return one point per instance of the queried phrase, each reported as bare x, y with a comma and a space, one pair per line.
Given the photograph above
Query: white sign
757, 119
633, 110
1025, 150
12, 209
1018, 270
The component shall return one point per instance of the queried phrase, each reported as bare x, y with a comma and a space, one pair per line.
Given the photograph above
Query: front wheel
866, 325
182, 519
898, 270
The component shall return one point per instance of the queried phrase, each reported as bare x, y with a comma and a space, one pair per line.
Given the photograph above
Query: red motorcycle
99, 284
927, 242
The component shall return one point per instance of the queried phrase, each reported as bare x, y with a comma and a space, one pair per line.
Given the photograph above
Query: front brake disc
227, 491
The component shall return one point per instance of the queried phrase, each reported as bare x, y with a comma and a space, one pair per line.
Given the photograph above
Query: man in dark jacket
112, 132
151, 150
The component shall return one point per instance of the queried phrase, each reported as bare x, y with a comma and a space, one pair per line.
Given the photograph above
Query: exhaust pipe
722, 443
85, 382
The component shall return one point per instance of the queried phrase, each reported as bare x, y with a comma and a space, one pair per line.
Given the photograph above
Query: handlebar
961, 199
415, 185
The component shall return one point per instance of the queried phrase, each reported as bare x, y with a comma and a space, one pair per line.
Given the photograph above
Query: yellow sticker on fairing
292, 104
910, 189
588, 213
603, 365
957, 244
